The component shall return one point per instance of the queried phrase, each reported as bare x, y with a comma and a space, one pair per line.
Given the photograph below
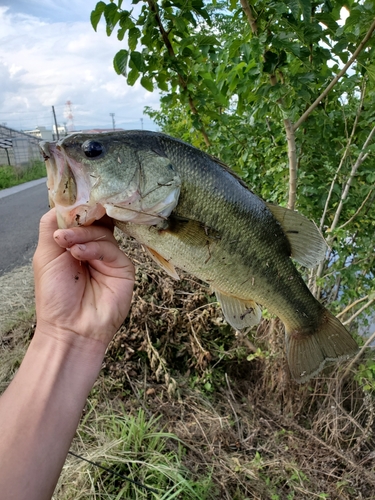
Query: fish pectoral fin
306, 241
192, 232
163, 263
239, 313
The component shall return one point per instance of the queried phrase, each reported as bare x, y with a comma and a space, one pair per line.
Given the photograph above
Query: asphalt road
21, 208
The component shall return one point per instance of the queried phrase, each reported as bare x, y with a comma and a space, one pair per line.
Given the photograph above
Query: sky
50, 54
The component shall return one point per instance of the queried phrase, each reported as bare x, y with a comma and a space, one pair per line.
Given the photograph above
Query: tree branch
366, 345
357, 313
346, 151
250, 17
153, 7
292, 155
337, 77
360, 208
361, 158
347, 308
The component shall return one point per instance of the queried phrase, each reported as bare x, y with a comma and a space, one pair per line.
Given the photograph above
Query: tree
266, 86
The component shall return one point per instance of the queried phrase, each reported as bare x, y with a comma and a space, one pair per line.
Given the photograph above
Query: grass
12, 176
134, 446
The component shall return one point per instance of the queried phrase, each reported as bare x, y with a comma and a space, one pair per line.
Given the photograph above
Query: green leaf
215, 92
328, 20
110, 12
96, 14
180, 24
147, 83
233, 4
133, 37
161, 80
371, 71
120, 62
125, 24
353, 19
294, 7
306, 10
112, 17
207, 40
137, 59
133, 76
234, 46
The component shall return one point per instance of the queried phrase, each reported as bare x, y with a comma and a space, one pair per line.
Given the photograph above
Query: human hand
83, 281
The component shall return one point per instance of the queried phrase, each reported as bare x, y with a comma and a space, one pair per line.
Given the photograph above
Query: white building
44, 134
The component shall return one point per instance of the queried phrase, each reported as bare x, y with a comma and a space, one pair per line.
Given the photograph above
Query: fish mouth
69, 189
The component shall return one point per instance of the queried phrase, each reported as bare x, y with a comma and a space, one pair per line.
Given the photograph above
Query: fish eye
92, 149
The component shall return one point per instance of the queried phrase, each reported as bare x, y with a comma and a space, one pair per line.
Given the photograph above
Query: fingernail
67, 234
81, 246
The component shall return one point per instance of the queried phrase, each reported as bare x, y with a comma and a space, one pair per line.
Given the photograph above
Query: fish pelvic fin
167, 266
239, 313
306, 241
309, 352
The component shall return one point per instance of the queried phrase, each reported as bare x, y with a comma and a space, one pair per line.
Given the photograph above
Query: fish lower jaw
82, 215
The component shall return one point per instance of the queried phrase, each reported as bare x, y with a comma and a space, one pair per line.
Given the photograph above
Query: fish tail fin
309, 352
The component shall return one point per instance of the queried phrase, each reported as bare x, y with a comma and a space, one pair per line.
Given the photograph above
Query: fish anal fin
309, 352
239, 313
163, 263
306, 241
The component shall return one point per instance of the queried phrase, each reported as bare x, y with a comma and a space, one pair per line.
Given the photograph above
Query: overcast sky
50, 54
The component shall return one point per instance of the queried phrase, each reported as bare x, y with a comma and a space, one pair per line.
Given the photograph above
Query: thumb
47, 249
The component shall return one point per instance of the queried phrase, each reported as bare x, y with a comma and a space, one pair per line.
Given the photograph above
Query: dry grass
16, 296
17, 318
243, 423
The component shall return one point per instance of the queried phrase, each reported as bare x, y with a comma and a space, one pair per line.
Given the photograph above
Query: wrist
66, 350
71, 339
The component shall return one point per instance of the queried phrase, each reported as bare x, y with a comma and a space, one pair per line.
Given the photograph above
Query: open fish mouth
69, 189
80, 197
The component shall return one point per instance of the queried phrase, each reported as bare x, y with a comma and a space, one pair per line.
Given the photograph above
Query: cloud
51, 10
46, 59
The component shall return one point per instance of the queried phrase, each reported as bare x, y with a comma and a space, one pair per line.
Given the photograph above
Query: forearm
40, 410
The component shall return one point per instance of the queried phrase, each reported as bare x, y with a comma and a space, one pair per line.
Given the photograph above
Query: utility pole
113, 120
54, 116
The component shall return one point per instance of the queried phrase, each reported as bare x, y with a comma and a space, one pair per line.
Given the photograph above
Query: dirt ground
228, 398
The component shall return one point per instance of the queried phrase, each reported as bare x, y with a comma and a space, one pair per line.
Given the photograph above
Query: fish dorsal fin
163, 263
239, 313
306, 241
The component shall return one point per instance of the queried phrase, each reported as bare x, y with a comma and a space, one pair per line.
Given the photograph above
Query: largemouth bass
191, 212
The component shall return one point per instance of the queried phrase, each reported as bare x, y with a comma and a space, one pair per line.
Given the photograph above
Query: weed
135, 447
12, 176
366, 375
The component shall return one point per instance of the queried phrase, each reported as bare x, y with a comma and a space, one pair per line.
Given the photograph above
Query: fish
190, 211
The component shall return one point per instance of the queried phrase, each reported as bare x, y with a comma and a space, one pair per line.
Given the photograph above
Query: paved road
20, 210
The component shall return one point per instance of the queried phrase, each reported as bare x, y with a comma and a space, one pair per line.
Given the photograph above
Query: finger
47, 248
66, 238
47, 225
105, 257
